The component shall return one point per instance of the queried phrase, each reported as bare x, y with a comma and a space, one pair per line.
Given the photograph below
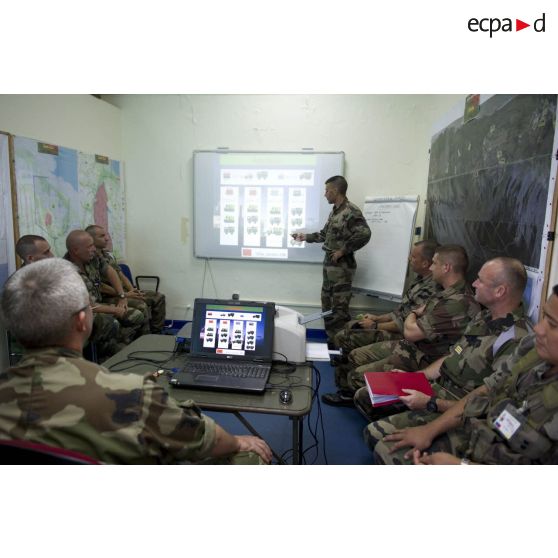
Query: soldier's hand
135, 294
420, 310
255, 444
437, 458
119, 311
338, 254
415, 400
366, 324
418, 437
372, 317
299, 237
122, 303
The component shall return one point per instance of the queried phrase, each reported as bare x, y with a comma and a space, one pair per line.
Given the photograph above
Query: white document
317, 352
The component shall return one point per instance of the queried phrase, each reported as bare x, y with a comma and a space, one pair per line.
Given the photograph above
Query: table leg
298, 423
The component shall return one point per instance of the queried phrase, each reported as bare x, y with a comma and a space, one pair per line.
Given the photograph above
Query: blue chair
128, 273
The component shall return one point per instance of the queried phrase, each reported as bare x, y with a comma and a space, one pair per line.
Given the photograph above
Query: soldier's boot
342, 398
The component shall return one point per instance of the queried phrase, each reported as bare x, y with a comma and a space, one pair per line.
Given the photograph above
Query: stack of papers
317, 352
386, 387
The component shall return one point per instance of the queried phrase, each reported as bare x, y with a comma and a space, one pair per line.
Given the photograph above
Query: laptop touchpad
206, 378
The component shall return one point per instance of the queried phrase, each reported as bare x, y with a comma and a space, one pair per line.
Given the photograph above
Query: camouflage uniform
346, 230
130, 324
132, 303
520, 382
55, 397
443, 322
153, 307
348, 339
485, 345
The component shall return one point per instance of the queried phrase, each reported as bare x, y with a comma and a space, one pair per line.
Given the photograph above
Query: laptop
231, 346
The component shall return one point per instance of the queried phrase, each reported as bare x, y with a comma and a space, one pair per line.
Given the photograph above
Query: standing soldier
345, 232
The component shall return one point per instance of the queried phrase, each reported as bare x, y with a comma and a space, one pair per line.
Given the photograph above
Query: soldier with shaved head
114, 323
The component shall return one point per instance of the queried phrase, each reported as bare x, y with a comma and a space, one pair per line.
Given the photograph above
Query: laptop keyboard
233, 370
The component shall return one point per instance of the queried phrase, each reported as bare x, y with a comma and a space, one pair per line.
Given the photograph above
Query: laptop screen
233, 329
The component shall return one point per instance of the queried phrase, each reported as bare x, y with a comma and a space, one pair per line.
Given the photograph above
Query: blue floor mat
342, 427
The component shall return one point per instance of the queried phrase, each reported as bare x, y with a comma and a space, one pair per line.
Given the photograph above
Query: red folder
386, 387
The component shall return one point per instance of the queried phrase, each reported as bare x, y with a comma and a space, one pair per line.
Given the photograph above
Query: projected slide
248, 204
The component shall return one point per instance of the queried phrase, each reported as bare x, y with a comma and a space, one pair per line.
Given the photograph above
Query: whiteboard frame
415, 198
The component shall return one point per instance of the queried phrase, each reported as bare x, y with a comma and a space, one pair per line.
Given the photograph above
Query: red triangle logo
519, 25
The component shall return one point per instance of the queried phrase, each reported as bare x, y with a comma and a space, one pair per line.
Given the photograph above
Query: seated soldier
55, 397
115, 324
32, 248
151, 303
373, 328
510, 420
429, 331
488, 340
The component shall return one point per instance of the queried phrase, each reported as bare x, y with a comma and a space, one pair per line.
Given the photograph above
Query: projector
289, 337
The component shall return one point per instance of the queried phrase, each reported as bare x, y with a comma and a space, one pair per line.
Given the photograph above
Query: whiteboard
382, 263
247, 204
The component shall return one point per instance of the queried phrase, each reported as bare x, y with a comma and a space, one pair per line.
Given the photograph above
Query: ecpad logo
494, 24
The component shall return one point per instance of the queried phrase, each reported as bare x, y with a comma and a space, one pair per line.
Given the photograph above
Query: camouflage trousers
381, 357
105, 335
336, 295
374, 433
349, 376
349, 339
157, 304
454, 442
135, 322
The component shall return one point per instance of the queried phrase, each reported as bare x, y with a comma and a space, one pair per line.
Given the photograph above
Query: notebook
385, 388
231, 346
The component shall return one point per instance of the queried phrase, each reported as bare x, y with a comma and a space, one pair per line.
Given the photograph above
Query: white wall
385, 139
77, 121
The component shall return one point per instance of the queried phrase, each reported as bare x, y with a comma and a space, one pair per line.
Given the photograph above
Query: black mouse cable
136, 355
290, 366
133, 359
285, 383
313, 431
280, 367
318, 382
319, 423
130, 364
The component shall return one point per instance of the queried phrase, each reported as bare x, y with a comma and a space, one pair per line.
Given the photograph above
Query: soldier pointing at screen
345, 232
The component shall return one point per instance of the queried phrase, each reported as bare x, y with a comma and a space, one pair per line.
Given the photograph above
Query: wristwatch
121, 295
432, 406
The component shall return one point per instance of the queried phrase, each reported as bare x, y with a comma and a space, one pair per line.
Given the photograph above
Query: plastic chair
128, 273
24, 452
